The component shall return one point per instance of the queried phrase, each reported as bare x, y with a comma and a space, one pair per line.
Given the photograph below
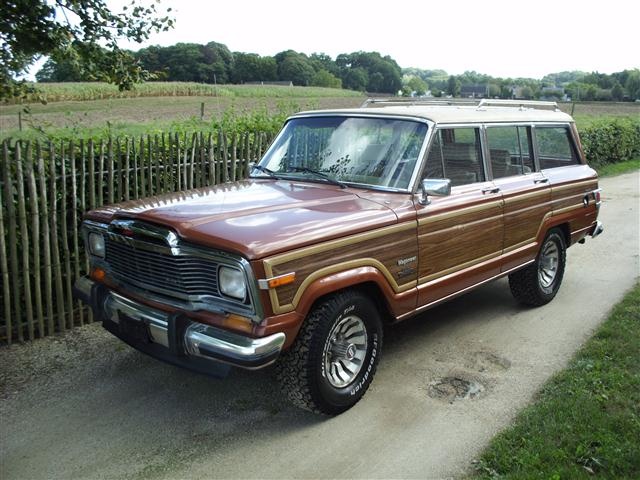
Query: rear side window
555, 147
510, 150
455, 154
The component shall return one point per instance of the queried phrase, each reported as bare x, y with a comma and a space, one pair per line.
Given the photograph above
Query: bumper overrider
173, 337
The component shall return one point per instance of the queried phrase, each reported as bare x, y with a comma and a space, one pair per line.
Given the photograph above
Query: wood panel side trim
457, 268
426, 219
584, 183
326, 271
269, 263
517, 197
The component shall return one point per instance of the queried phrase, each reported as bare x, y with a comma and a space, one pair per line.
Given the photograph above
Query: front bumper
173, 337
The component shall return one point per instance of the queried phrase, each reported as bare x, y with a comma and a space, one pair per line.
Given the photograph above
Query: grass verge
618, 168
586, 420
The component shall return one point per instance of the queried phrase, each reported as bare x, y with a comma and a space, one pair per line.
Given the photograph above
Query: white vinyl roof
453, 113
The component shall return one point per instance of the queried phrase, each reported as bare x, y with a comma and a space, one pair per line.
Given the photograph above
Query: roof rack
485, 102
395, 101
522, 104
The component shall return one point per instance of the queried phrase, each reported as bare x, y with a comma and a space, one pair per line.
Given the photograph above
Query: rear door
525, 191
460, 235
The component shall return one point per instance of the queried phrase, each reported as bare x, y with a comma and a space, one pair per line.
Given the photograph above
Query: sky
496, 37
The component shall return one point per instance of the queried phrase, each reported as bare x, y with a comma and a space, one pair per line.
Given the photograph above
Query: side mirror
434, 186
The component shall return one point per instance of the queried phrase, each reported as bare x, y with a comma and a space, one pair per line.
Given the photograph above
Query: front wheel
538, 283
334, 358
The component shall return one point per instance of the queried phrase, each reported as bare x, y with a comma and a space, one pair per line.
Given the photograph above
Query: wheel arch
367, 280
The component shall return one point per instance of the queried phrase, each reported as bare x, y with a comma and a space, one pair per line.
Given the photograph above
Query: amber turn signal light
97, 274
278, 281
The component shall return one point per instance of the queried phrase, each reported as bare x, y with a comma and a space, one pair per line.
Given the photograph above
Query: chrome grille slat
179, 276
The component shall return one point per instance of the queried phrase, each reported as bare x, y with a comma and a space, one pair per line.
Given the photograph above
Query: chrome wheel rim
548, 264
344, 351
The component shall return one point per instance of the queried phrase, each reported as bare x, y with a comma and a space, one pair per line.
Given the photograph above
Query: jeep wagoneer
352, 219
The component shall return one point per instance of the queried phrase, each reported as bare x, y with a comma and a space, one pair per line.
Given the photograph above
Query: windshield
350, 150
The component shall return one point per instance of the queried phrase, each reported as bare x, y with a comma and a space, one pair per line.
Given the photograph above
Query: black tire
538, 283
310, 372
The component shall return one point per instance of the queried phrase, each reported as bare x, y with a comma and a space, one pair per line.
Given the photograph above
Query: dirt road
448, 381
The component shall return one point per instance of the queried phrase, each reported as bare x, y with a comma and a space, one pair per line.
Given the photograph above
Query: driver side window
456, 154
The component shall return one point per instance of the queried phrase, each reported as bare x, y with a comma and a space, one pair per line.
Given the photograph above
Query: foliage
382, 74
188, 62
295, 67
72, 31
251, 67
611, 141
585, 420
453, 86
323, 78
415, 84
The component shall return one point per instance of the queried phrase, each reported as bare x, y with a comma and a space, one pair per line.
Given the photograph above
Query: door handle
490, 190
541, 180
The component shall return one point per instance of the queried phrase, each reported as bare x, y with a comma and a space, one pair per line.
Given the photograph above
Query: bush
611, 141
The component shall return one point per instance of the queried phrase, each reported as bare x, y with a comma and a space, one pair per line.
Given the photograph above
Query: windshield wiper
324, 176
269, 172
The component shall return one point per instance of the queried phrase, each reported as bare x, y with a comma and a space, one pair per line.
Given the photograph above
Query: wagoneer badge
403, 261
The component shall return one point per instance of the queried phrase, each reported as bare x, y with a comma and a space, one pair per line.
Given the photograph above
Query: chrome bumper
174, 335
598, 229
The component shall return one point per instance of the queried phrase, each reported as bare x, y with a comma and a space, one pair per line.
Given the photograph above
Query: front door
459, 236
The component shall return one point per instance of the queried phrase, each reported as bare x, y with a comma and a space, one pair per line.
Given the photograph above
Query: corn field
81, 91
45, 188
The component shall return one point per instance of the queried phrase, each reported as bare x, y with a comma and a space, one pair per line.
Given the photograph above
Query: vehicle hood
256, 218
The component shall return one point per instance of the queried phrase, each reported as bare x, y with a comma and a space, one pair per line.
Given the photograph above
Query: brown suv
352, 219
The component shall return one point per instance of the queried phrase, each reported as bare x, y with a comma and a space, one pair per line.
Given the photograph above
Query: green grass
618, 168
585, 423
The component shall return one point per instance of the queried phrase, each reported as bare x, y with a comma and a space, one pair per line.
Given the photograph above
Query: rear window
510, 150
555, 147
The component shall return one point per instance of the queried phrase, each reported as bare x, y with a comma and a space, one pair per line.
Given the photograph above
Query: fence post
4, 267
66, 253
24, 236
46, 243
55, 250
35, 233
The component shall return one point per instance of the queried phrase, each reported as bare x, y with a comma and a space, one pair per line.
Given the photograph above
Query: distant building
474, 91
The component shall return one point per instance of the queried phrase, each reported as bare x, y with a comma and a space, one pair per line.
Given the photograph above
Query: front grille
179, 276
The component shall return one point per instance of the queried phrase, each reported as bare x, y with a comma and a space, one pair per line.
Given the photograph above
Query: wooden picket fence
45, 188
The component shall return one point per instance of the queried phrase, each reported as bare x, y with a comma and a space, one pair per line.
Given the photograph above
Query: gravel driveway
84, 405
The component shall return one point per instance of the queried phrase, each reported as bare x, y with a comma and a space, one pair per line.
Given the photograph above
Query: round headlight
96, 244
232, 282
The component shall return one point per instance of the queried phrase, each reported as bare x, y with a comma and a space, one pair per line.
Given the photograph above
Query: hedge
611, 141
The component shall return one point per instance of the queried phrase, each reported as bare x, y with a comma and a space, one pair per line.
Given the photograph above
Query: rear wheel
538, 283
332, 362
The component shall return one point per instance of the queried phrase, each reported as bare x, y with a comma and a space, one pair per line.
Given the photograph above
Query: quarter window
555, 147
510, 150
455, 154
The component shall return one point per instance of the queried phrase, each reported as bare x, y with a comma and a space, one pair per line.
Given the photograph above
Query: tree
416, 85
453, 86
355, 79
633, 84
73, 31
295, 67
383, 73
323, 78
64, 71
251, 67
617, 92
